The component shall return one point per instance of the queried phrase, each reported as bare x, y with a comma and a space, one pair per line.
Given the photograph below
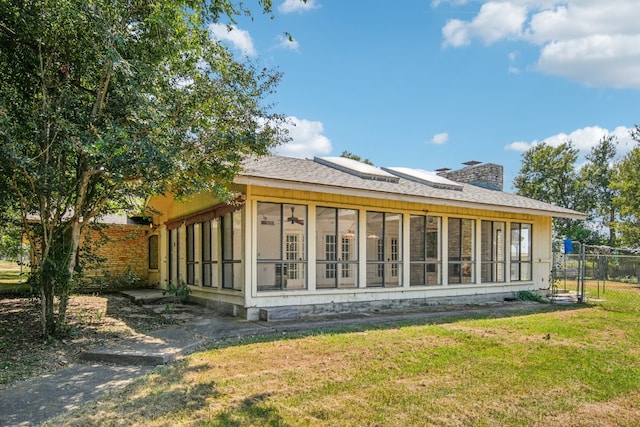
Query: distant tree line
606, 188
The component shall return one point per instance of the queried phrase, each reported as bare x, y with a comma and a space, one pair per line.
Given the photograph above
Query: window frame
517, 273
459, 265
384, 257
190, 254
493, 245
422, 263
284, 272
209, 232
153, 254
231, 251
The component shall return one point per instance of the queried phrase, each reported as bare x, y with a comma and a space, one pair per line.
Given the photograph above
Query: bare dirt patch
93, 320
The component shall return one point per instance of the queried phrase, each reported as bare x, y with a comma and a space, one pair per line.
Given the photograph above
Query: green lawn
568, 367
11, 281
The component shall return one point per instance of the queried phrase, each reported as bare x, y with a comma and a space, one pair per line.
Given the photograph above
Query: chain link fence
600, 275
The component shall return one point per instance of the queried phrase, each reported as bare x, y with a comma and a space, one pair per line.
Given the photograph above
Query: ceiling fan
294, 219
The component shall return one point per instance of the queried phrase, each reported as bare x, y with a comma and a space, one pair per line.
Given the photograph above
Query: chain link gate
568, 271
598, 275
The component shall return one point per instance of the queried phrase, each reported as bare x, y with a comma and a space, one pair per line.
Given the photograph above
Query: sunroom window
384, 255
461, 245
492, 255
282, 255
521, 260
209, 247
336, 248
424, 249
231, 239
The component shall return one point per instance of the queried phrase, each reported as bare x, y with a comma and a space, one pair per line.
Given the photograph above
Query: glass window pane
191, 268
295, 224
433, 238
348, 227
153, 252
227, 237
515, 271
417, 237
525, 271
206, 241
348, 275
418, 276
455, 239
515, 241
325, 232
468, 239
269, 276
237, 235
525, 242
269, 229
393, 231
282, 239
374, 234
374, 275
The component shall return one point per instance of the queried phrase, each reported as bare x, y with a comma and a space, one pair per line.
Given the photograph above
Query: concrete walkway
34, 401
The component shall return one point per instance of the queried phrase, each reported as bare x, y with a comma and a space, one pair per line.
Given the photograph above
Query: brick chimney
485, 175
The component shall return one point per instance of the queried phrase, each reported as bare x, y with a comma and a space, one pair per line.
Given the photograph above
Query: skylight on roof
359, 169
424, 177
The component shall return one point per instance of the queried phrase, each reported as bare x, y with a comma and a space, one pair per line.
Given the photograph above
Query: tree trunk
612, 231
46, 302
56, 277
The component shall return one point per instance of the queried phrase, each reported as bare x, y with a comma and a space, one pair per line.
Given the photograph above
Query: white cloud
436, 3
292, 6
520, 146
288, 43
583, 139
594, 42
440, 138
495, 21
239, 39
598, 60
306, 139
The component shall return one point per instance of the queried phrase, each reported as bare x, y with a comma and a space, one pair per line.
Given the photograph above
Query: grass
12, 282
572, 366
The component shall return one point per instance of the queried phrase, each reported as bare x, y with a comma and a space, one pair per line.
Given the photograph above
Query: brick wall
126, 247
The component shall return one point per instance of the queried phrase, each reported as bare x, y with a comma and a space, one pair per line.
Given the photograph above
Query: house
330, 234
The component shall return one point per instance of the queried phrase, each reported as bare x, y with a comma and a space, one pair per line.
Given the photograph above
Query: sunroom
316, 237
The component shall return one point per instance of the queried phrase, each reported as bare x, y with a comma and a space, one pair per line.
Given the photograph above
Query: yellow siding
278, 194
173, 208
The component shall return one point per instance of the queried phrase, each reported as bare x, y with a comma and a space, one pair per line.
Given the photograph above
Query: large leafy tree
548, 173
626, 181
596, 176
103, 101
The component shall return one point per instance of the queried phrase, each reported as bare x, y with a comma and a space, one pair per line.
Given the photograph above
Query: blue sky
434, 83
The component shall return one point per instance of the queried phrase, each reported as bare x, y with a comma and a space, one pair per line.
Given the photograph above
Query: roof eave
348, 191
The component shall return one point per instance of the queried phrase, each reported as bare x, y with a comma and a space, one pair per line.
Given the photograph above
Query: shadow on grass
250, 411
183, 393
386, 321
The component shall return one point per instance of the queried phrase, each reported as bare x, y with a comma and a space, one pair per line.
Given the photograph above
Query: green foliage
350, 155
549, 174
126, 280
626, 182
179, 291
108, 100
11, 245
596, 176
529, 296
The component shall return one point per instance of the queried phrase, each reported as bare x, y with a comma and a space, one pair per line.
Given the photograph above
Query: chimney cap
443, 169
471, 163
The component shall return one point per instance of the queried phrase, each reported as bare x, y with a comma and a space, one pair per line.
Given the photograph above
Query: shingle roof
304, 174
